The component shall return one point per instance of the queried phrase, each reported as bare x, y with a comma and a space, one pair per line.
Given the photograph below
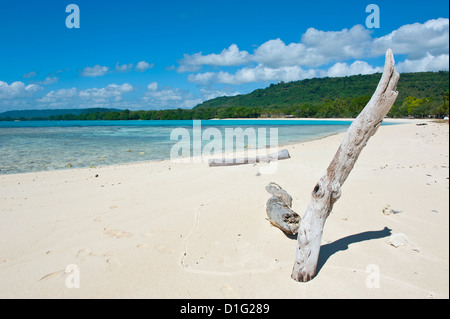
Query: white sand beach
167, 230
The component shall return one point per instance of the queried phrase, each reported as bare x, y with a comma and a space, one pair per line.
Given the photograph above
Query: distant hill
54, 112
421, 95
422, 85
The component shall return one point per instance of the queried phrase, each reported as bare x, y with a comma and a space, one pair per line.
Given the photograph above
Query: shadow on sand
327, 250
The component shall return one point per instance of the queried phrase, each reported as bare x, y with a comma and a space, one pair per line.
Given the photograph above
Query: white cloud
62, 93
358, 67
142, 66
48, 80
275, 53
426, 47
124, 67
93, 97
167, 94
257, 74
427, 63
228, 57
317, 48
203, 78
208, 94
112, 90
29, 75
56, 98
152, 86
416, 40
17, 89
327, 46
95, 71
169, 97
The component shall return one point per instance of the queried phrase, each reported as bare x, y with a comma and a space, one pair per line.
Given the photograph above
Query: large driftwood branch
328, 189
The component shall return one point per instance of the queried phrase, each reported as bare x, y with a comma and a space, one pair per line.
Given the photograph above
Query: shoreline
391, 121
180, 230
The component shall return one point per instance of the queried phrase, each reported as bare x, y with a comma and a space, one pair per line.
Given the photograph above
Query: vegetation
421, 95
50, 112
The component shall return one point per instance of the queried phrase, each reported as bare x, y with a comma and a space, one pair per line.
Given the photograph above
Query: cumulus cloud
58, 97
228, 57
168, 97
427, 63
358, 67
275, 53
110, 91
62, 93
142, 66
93, 97
209, 93
124, 67
337, 45
152, 86
17, 89
48, 80
29, 75
166, 94
425, 45
316, 48
416, 40
259, 73
95, 71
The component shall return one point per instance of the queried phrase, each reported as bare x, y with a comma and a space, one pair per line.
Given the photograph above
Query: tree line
421, 95
328, 108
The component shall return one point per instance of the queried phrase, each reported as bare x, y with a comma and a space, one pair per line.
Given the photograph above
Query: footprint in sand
98, 219
141, 245
108, 232
83, 254
109, 253
228, 292
113, 263
3, 260
111, 259
163, 249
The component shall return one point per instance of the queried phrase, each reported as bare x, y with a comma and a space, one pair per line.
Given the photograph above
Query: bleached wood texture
328, 190
279, 210
280, 155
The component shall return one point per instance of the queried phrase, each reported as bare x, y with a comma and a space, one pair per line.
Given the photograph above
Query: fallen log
280, 155
328, 190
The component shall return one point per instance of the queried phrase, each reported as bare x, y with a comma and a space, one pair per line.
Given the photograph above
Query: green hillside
53, 112
421, 95
429, 85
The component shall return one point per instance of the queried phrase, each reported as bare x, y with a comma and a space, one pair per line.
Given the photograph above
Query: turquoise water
31, 146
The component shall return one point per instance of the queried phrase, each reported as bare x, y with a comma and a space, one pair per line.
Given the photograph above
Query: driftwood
280, 155
328, 189
279, 210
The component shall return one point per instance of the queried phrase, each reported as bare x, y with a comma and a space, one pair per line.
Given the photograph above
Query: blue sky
168, 54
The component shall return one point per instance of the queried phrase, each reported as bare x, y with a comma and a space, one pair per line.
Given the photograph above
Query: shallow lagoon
31, 146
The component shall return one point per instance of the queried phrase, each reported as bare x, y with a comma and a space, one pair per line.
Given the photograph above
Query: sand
166, 230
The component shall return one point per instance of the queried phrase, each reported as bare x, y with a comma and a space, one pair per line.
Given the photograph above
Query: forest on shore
421, 95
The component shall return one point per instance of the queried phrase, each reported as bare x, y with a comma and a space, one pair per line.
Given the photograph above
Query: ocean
32, 146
